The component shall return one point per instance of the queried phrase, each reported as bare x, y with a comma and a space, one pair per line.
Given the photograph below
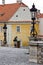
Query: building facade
17, 18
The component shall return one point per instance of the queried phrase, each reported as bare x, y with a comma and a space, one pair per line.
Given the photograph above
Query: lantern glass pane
4, 30
33, 14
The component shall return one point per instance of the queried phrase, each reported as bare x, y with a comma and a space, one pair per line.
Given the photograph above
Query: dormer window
23, 9
16, 15
1, 14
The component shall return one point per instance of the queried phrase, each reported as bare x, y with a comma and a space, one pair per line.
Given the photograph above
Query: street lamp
33, 11
5, 28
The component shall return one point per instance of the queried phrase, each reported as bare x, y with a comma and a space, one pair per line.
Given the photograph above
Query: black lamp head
33, 9
5, 27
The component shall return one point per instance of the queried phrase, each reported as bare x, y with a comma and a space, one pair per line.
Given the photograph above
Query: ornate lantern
33, 11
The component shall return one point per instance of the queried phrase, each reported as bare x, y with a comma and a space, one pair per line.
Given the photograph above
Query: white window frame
19, 28
1, 42
1, 28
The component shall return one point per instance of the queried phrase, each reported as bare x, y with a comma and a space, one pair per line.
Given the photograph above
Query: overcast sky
38, 3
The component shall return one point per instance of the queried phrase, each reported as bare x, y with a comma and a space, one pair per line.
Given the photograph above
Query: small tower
19, 1
3, 2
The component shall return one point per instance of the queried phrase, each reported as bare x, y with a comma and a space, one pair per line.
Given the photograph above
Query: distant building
17, 18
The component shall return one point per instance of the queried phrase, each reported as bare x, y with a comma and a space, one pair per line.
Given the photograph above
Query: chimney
19, 1
3, 2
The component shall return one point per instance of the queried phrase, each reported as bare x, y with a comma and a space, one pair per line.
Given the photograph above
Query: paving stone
14, 56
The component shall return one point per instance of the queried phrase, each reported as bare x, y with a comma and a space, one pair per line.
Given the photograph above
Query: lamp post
5, 28
33, 11
35, 44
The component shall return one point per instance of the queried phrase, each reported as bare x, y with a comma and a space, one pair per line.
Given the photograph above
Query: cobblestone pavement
14, 56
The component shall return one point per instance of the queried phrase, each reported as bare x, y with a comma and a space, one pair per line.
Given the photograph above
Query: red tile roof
40, 35
7, 10
40, 15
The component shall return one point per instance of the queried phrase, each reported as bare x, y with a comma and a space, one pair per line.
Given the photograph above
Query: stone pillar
36, 51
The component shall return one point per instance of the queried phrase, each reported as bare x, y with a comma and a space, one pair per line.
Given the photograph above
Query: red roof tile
7, 10
40, 35
40, 15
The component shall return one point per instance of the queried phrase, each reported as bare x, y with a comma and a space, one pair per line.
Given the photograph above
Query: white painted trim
9, 23
1, 28
1, 42
9, 34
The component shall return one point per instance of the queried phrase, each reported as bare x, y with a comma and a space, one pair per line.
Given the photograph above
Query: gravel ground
14, 56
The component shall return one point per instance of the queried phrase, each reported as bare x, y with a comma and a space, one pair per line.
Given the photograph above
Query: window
0, 28
1, 14
18, 29
1, 42
16, 15
23, 9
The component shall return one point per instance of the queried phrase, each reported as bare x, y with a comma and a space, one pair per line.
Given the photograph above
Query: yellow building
17, 18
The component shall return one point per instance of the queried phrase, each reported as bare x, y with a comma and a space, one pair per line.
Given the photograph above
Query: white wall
22, 15
41, 26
